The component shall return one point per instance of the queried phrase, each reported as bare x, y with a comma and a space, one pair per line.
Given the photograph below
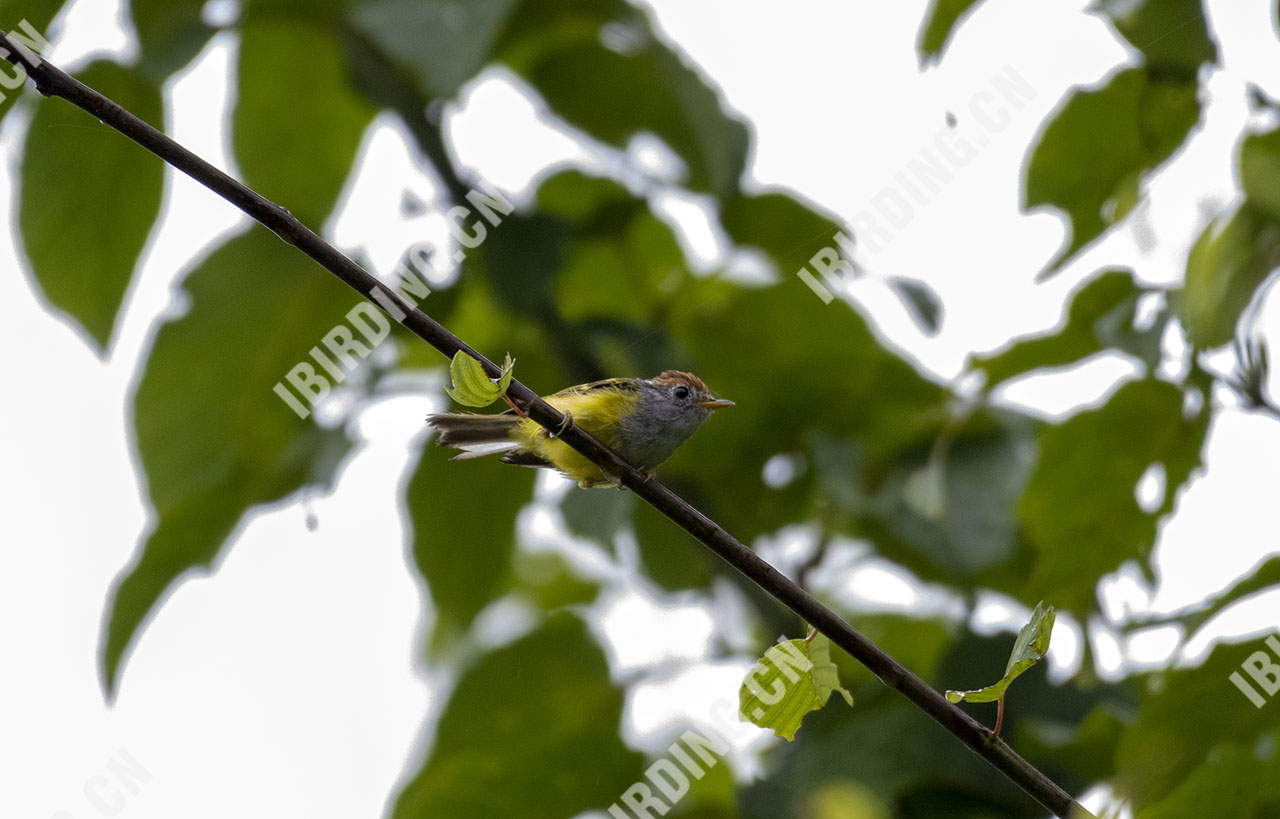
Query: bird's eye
680, 393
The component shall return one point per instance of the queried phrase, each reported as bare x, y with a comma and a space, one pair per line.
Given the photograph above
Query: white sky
295, 664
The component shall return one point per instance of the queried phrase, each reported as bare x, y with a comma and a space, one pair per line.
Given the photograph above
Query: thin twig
51, 81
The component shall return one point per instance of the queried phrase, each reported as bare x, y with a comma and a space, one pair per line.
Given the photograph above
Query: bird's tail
475, 435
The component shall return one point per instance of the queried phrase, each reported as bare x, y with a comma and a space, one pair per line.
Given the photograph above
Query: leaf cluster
586, 280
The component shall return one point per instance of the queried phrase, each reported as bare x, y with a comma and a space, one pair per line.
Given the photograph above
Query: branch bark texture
51, 81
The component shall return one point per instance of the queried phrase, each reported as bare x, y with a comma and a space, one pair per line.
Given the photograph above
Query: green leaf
1121, 131
1079, 511
1263, 576
832, 377
714, 796
82, 252
1260, 172
619, 267
1237, 251
949, 513
293, 87
1172, 35
504, 379
1095, 308
472, 386
921, 301
781, 224
642, 85
1030, 647
1087, 746
548, 580
1185, 715
531, 731
791, 680
596, 515
171, 33
213, 437
671, 558
1230, 783
440, 43
463, 518
1231, 258
939, 24
845, 799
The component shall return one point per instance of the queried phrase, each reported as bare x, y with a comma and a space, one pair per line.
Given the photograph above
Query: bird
643, 420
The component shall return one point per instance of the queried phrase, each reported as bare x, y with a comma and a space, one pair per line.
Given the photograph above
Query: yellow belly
597, 412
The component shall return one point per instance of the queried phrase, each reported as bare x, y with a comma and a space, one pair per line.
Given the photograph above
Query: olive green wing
627, 386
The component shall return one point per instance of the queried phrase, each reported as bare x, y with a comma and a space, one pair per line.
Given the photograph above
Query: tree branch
51, 81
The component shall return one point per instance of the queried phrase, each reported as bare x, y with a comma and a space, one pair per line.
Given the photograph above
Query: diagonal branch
51, 81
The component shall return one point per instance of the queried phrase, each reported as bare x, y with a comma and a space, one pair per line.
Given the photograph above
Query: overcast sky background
287, 684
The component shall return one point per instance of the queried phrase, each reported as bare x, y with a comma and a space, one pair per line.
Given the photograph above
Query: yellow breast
597, 411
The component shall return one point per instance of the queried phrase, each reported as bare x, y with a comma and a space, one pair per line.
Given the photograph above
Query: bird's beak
715, 403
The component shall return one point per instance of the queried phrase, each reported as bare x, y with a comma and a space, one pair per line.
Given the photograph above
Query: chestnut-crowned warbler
643, 420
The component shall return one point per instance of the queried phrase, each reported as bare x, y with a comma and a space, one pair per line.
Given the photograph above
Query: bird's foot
565, 424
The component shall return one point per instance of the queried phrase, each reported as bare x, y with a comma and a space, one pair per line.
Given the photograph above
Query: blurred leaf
1226, 785
830, 376
636, 83
293, 87
921, 302
1230, 259
670, 556
1185, 714
441, 43
711, 797
1128, 127
917, 643
1264, 575
588, 202
522, 258
620, 271
978, 478
531, 731
791, 680
549, 579
488, 324
925, 490
38, 14
1093, 309
1028, 649
1172, 35
781, 224
213, 438
846, 800
171, 33
1088, 745
1260, 172
463, 515
1236, 252
83, 252
939, 24
472, 386
940, 778
596, 515
1079, 509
